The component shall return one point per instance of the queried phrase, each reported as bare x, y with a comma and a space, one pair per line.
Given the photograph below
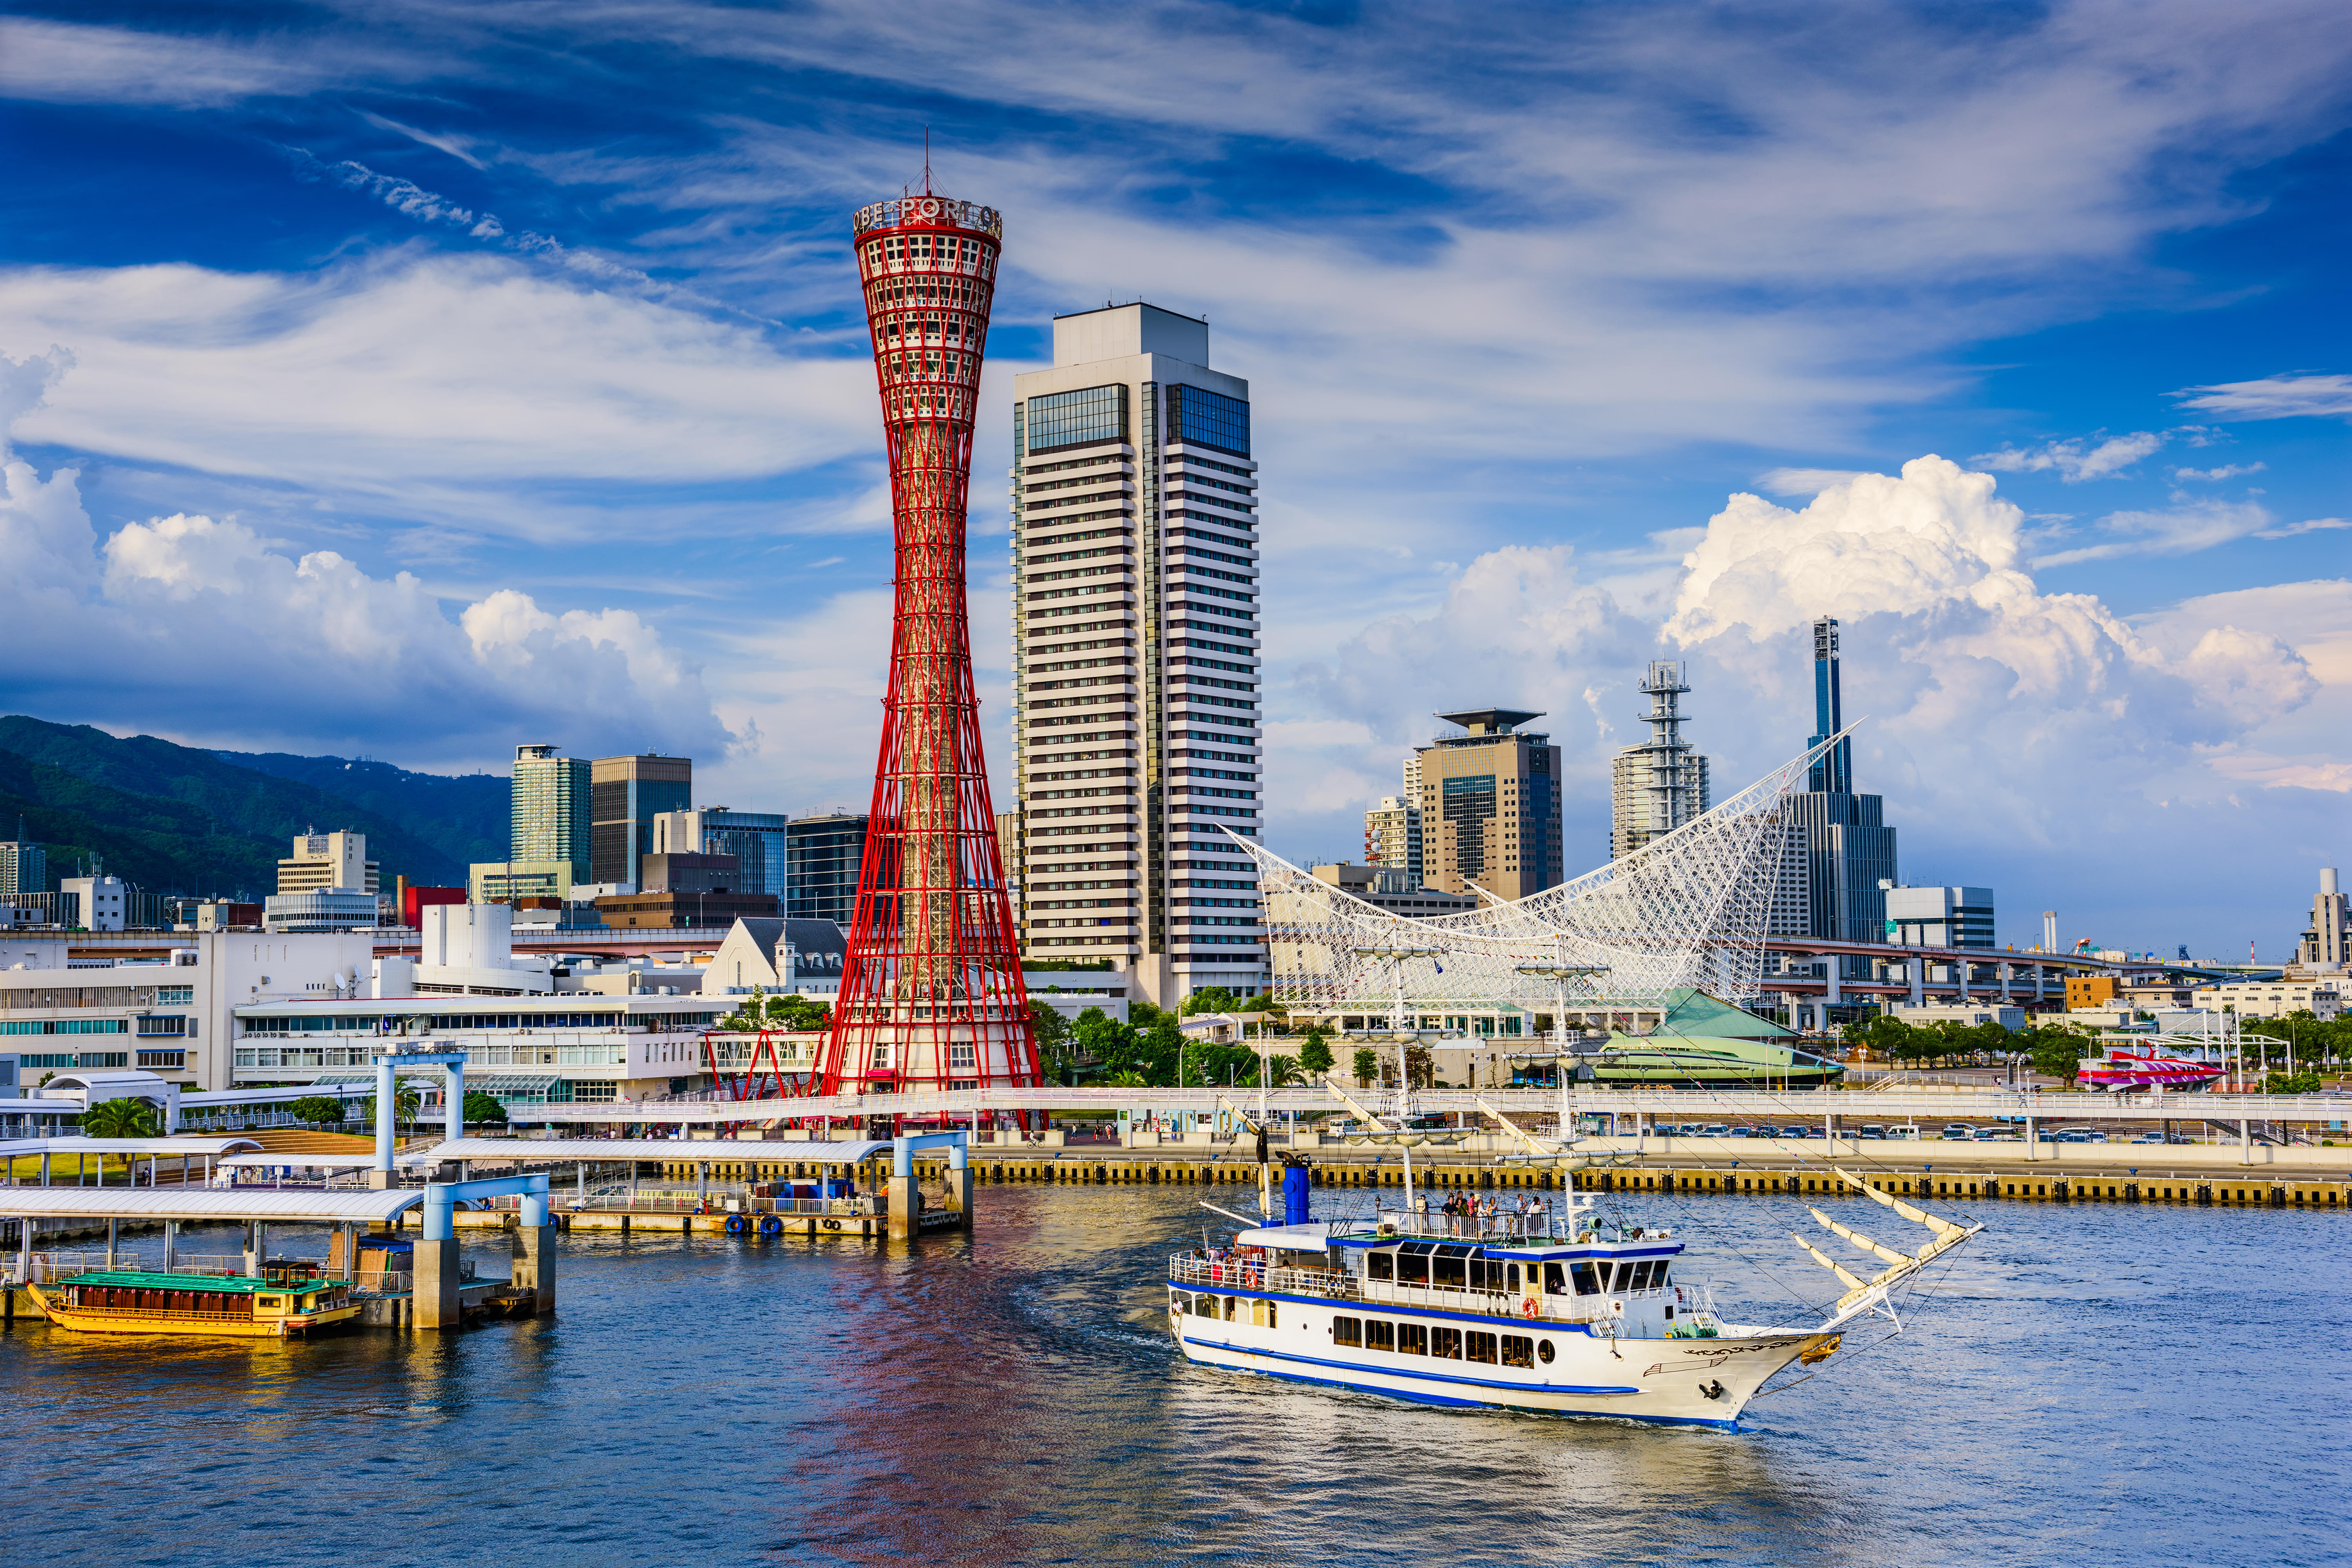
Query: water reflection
1013, 1397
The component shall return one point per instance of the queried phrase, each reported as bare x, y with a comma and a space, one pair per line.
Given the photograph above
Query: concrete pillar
905, 1205
434, 1303
171, 1245
960, 1182
2004, 970
534, 1265
1833, 971
381, 1175
113, 1233
257, 1242
453, 1114
1915, 972
1960, 973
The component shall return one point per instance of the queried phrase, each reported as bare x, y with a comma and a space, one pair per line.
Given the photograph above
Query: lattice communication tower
931, 994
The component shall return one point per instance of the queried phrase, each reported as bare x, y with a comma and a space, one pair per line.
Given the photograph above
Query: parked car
2149, 1138
1959, 1132
1872, 1129
1796, 1133
1718, 1131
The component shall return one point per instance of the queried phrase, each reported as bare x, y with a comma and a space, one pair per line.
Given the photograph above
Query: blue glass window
1202, 418
1078, 418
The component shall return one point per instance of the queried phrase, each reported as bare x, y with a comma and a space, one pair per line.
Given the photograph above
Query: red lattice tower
931, 995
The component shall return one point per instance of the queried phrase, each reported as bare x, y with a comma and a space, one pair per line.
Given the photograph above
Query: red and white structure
931, 994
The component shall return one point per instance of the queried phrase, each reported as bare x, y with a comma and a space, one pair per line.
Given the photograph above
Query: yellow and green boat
281, 1305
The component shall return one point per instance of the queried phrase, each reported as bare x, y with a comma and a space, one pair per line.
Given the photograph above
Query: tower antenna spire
927, 160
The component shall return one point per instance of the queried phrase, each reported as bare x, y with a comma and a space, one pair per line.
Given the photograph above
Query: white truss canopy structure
1688, 909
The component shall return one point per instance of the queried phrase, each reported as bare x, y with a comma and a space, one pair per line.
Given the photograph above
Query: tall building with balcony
625, 794
1662, 784
1136, 654
1849, 849
2328, 941
1392, 837
552, 819
1490, 806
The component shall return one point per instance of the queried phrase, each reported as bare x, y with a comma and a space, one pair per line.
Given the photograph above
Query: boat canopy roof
213, 1284
842, 1152
1318, 1236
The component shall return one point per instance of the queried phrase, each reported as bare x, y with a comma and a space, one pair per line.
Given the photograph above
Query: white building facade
1136, 654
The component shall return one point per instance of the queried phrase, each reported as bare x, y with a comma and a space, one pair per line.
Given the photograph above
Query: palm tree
1283, 1071
120, 1119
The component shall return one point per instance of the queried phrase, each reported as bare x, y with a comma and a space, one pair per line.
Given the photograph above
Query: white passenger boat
1560, 1312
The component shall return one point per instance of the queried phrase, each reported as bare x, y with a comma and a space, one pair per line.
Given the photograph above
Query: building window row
1197, 551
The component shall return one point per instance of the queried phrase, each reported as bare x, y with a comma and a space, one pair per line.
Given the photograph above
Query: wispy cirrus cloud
2273, 398
2182, 529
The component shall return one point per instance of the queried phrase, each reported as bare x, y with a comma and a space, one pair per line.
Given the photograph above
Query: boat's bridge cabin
1623, 1284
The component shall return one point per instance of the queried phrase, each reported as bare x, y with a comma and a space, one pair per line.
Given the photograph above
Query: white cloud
2085, 457
2003, 722
2182, 529
1802, 481
2214, 476
201, 627
2273, 398
410, 372
60, 62
2308, 525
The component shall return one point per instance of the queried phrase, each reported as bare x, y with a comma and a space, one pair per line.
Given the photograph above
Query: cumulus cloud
2273, 398
1990, 703
209, 622
2214, 476
2085, 457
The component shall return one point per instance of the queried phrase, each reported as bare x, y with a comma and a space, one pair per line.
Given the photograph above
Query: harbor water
2104, 1384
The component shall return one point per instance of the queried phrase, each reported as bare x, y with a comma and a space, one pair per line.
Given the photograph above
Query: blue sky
409, 379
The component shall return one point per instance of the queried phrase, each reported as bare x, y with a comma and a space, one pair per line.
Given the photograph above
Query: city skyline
551, 423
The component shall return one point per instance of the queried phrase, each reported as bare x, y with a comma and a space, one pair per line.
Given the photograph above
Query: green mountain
162, 845
464, 816
176, 819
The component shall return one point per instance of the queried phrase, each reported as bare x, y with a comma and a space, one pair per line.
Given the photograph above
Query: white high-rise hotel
1136, 653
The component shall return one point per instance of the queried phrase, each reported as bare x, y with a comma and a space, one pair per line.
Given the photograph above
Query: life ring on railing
1529, 1307
735, 1225
772, 1226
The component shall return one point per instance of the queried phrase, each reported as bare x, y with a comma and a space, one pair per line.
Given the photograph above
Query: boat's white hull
1687, 1381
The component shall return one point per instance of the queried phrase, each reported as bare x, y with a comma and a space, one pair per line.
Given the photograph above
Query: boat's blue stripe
1409, 1396
1416, 1373
1524, 1325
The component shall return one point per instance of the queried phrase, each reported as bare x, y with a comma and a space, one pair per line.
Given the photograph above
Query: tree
319, 1108
1314, 1055
1419, 1067
1283, 1071
481, 1106
750, 1014
798, 1012
1261, 1003
1211, 999
120, 1119
2055, 1053
404, 1106
1367, 1067
2292, 1083
1054, 1035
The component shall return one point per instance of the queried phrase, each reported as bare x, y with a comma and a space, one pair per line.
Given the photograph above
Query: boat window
1413, 1265
1543, 1351
1446, 1342
1230, 1302
1347, 1331
1413, 1339
1179, 1302
1658, 1275
1555, 1279
1518, 1351
1379, 1266
1448, 1267
1380, 1334
1479, 1347
1587, 1282
1511, 1277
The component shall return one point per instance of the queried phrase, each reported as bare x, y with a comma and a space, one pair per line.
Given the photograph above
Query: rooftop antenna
927, 160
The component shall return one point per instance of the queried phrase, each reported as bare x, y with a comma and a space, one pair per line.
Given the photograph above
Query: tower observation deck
931, 994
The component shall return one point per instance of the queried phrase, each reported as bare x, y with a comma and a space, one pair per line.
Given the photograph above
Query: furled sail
1863, 1294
